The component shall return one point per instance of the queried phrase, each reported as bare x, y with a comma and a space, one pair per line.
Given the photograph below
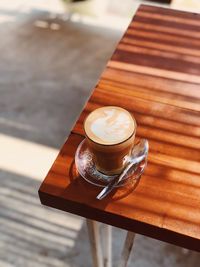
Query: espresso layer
109, 125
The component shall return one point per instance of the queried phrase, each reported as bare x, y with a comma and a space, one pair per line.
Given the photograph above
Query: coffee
110, 133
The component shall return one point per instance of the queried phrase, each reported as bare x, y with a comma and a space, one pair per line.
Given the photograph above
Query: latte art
112, 126
109, 125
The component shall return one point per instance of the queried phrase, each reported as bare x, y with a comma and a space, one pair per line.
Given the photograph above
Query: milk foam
110, 125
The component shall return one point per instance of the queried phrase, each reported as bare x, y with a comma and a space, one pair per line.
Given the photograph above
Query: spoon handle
114, 182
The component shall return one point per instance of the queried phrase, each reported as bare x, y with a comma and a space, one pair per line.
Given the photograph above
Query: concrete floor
47, 70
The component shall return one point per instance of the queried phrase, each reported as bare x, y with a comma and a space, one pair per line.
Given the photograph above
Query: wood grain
154, 73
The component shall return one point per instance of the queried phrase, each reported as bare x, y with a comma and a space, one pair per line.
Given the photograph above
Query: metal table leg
127, 249
94, 237
105, 259
107, 245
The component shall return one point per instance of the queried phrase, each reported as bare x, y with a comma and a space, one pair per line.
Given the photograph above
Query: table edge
138, 227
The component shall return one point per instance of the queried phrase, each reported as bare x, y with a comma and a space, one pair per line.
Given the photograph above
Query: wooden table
155, 74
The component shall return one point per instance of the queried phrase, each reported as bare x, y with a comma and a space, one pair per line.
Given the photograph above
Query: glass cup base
86, 168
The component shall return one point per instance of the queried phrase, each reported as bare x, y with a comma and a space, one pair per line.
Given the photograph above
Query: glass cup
110, 133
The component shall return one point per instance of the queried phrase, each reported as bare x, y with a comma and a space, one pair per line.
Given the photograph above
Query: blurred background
51, 56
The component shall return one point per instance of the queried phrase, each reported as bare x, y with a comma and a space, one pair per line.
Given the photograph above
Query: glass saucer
86, 167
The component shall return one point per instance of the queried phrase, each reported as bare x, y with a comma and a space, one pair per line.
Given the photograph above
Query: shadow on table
92, 191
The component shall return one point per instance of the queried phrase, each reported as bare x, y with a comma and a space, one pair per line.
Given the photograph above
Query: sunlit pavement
48, 66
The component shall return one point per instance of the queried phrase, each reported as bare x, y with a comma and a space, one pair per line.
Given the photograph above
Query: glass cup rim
115, 144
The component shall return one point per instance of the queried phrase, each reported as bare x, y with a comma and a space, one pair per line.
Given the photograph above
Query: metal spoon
139, 153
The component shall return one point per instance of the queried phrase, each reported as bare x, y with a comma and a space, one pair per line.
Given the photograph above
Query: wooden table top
155, 74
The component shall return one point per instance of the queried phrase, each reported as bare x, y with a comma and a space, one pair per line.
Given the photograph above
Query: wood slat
186, 16
143, 34
162, 84
154, 74
155, 71
166, 20
155, 95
